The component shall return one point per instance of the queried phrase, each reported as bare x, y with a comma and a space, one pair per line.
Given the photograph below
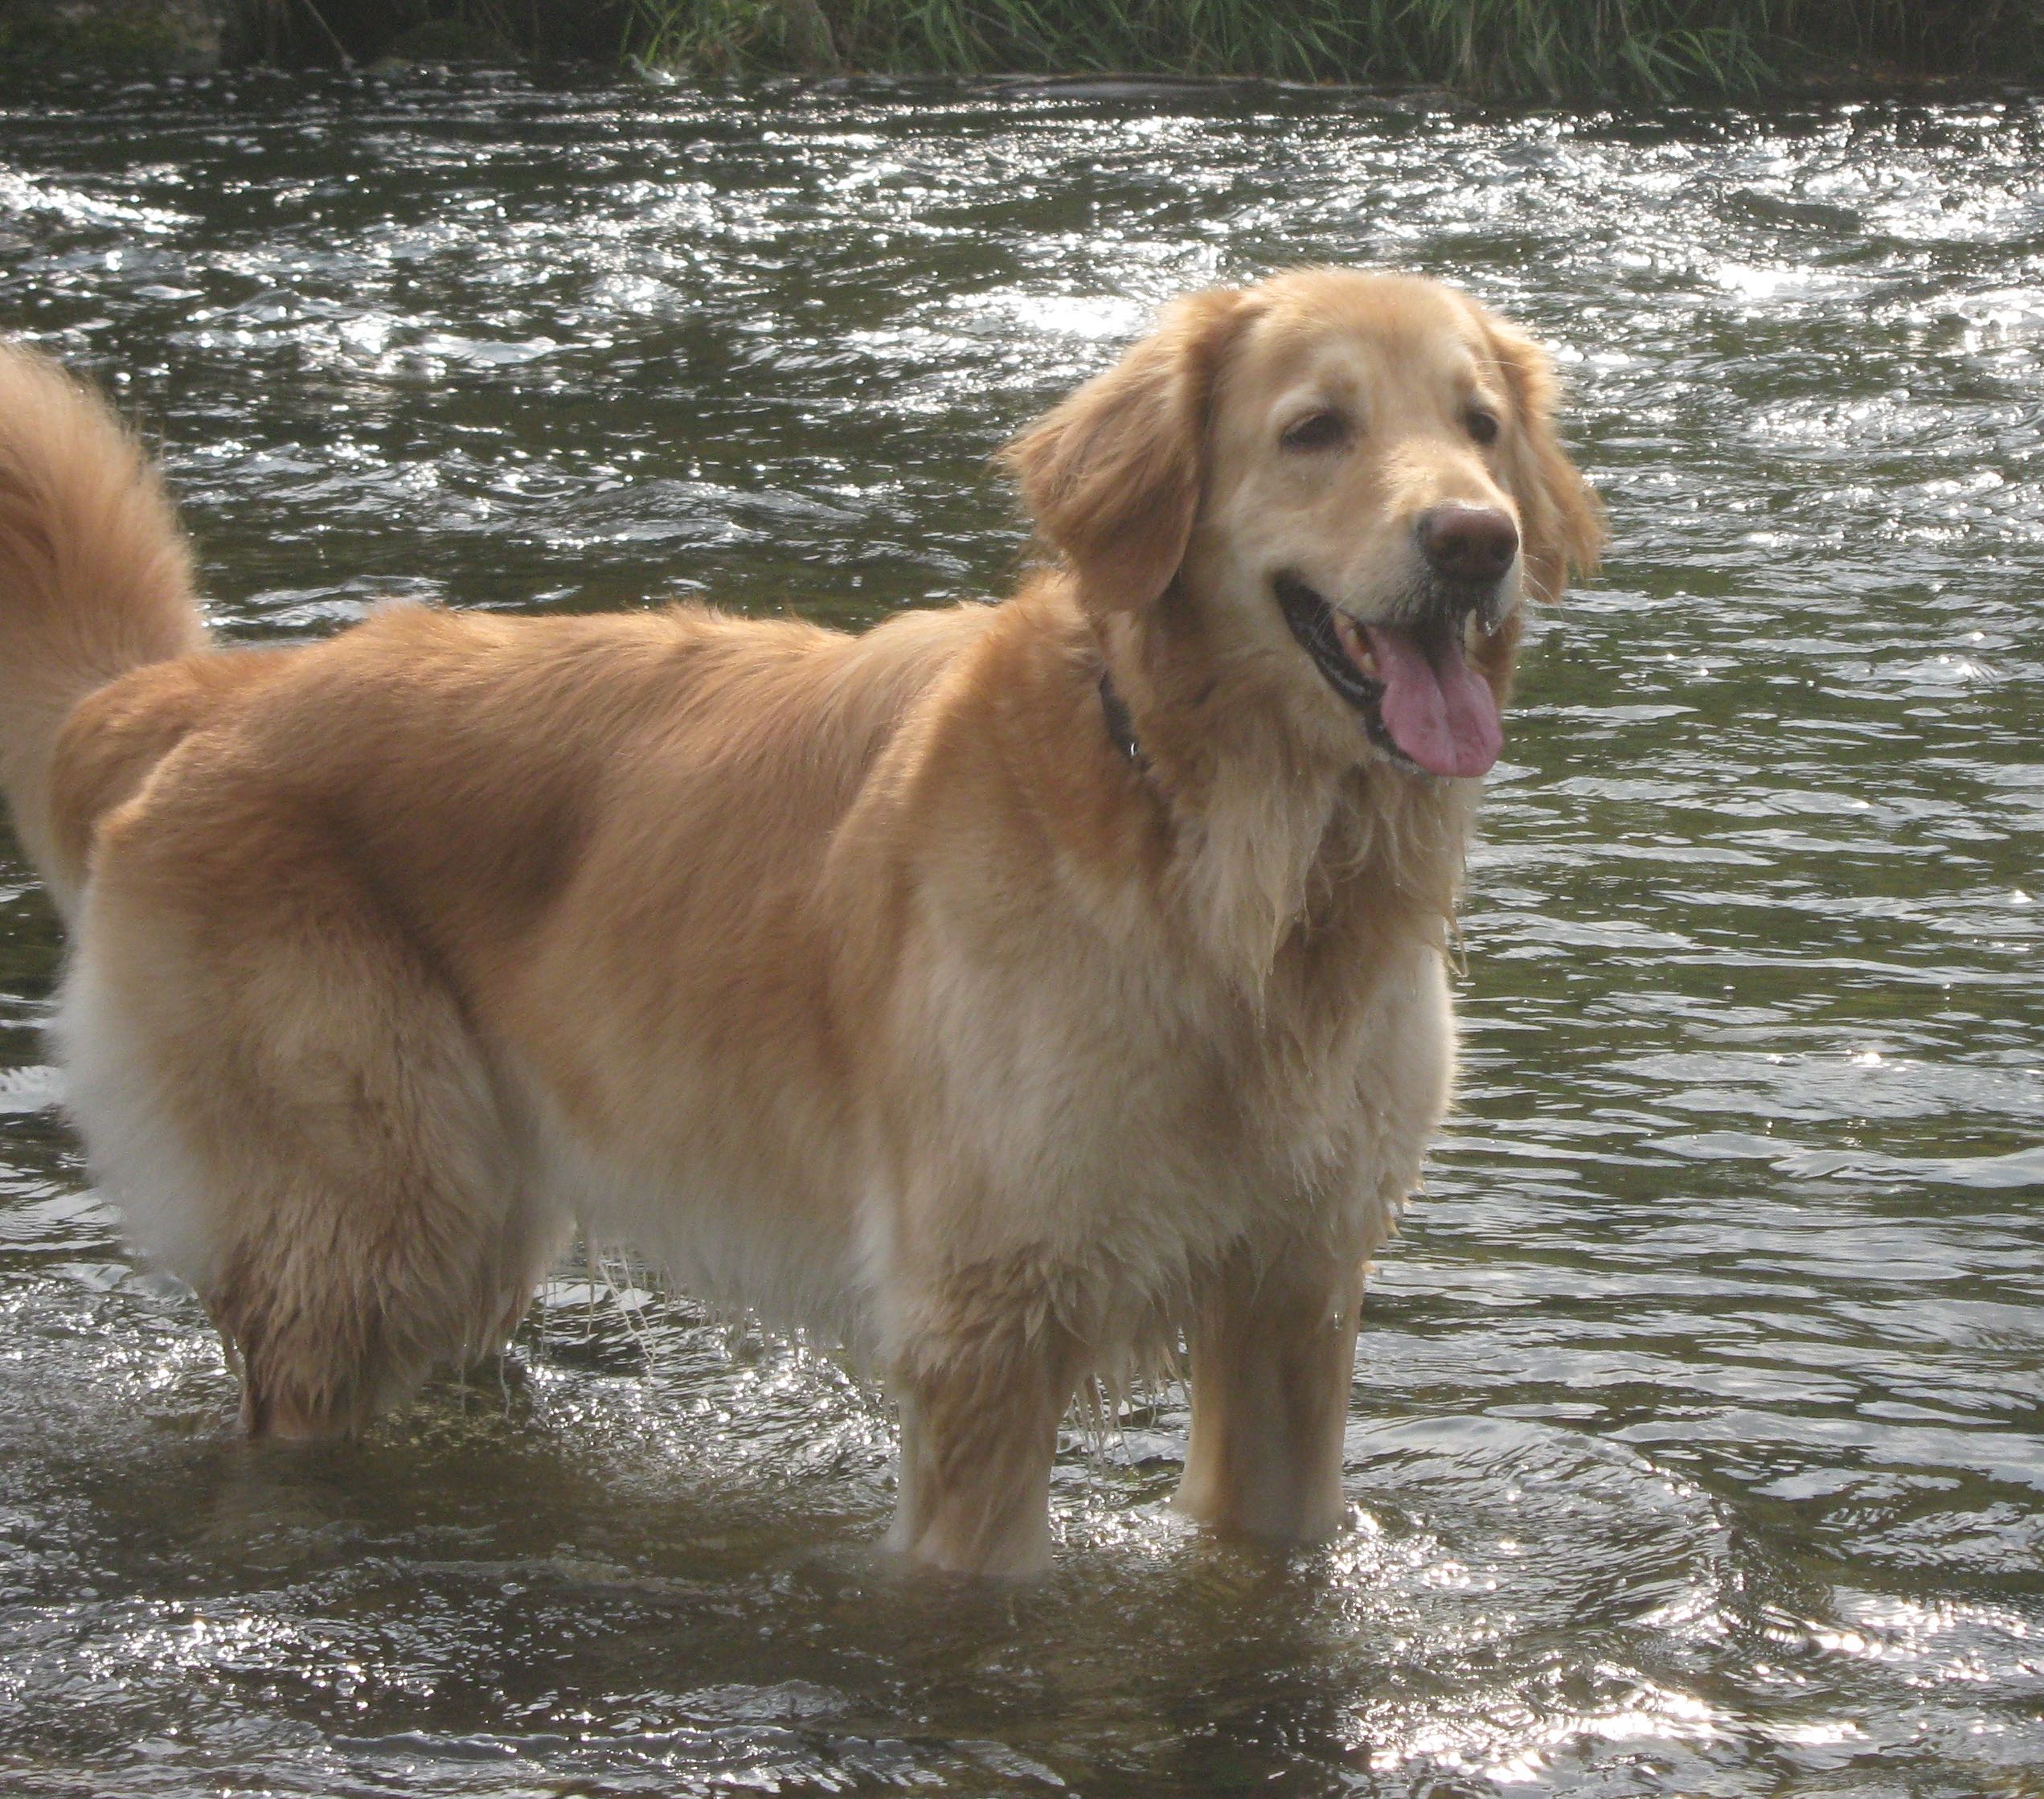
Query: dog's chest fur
1121, 1084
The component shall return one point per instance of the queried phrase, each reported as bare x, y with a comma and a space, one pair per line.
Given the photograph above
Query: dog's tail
96, 578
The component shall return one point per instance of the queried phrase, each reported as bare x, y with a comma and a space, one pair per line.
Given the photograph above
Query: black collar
1121, 728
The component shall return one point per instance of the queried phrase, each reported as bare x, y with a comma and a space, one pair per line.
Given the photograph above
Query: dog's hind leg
281, 1091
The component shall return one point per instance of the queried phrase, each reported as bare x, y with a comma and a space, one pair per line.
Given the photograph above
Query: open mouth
1420, 700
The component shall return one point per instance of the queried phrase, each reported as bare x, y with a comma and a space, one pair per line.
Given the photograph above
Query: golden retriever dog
1010, 993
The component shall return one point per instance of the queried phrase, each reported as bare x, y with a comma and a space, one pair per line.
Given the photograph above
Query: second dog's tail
96, 578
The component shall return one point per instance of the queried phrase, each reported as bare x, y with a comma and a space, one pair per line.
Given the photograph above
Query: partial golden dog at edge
1009, 992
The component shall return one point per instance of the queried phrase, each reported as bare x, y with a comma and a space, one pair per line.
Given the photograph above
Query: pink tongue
1438, 710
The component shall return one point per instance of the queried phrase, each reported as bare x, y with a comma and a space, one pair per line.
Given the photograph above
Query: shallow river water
1696, 1445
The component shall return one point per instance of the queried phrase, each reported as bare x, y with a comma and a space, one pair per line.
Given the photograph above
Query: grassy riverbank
1551, 48
1560, 49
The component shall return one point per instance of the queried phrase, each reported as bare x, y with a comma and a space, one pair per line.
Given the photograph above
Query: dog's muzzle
1421, 703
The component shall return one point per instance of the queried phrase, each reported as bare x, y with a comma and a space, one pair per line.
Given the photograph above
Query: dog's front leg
979, 1432
1273, 1358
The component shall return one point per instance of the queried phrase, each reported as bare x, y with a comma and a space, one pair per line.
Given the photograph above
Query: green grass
1555, 49
59, 37
1570, 50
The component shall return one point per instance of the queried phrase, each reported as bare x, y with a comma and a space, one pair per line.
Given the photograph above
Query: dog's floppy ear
1113, 475
1561, 519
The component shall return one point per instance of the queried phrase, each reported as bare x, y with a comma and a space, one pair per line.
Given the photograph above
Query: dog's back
345, 898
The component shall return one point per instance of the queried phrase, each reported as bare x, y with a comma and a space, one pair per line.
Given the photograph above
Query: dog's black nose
1468, 543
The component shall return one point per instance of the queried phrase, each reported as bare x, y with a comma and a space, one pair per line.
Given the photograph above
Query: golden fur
864, 981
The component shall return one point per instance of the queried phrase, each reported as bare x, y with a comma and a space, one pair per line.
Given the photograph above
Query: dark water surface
1696, 1445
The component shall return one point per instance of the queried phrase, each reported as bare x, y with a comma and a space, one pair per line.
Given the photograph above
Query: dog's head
1343, 485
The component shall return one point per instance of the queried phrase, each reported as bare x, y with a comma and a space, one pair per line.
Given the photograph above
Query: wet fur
862, 981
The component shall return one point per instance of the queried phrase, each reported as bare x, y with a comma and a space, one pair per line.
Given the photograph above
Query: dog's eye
1317, 431
1483, 426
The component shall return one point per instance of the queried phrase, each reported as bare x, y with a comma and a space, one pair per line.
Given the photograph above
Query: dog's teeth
1353, 641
